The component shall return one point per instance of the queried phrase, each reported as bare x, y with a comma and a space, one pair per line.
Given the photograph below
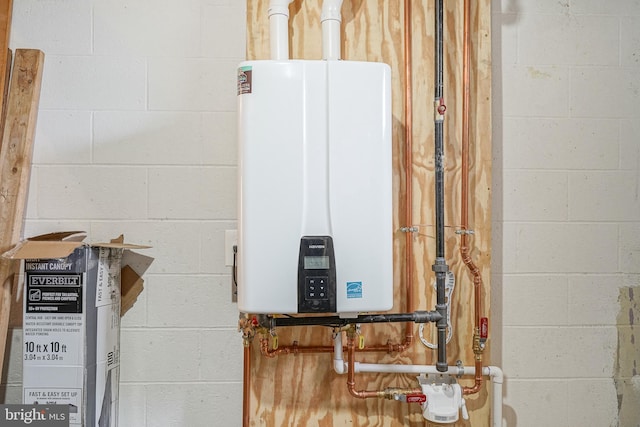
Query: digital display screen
316, 263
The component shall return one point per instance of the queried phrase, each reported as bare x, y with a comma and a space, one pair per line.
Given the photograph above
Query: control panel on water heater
316, 275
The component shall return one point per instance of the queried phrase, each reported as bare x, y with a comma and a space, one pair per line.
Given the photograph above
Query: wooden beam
15, 168
6, 7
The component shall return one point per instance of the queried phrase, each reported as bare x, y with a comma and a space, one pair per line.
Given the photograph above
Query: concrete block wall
566, 209
136, 135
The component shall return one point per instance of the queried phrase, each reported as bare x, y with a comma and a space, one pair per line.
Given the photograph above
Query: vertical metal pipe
440, 265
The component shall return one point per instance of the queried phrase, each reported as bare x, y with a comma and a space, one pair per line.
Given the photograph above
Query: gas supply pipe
440, 267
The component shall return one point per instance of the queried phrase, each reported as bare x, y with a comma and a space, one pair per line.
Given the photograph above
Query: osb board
303, 390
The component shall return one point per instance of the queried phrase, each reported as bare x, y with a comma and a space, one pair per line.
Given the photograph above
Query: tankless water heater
315, 204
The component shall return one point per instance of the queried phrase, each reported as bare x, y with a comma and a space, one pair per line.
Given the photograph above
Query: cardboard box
71, 330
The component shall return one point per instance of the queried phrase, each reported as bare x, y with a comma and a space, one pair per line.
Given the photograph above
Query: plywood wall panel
303, 390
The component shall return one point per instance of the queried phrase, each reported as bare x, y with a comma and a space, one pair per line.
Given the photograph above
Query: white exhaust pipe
279, 28
331, 19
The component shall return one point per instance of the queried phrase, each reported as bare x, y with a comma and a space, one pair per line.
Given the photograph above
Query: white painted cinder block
535, 403
164, 138
143, 137
542, 91
630, 248
629, 147
68, 34
544, 296
223, 32
194, 404
133, 404
93, 83
591, 88
220, 355
174, 352
629, 41
593, 299
218, 128
196, 84
63, 137
193, 193
596, 7
507, 233
147, 28
559, 352
592, 402
85, 192
604, 196
208, 299
586, 40
561, 143
520, 189
566, 248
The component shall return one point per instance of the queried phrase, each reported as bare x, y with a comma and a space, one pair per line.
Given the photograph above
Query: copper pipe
464, 203
388, 393
291, 349
351, 375
408, 170
302, 349
246, 385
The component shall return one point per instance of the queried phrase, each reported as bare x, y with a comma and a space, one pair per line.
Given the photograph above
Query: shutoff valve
444, 399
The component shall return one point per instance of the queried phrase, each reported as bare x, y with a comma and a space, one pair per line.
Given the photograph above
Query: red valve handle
442, 108
484, 328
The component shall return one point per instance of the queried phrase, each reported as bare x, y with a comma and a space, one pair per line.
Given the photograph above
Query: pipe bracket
465, 231
412, 229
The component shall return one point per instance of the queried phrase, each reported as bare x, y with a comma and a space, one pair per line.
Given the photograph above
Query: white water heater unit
315, 187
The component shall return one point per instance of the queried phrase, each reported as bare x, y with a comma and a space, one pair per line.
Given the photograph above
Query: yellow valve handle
275, 342
361, 342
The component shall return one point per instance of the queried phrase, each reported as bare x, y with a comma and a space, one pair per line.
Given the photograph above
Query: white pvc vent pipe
279, 29
331, 19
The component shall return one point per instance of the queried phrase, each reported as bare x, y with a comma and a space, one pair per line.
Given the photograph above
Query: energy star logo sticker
34, 415
354, 289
